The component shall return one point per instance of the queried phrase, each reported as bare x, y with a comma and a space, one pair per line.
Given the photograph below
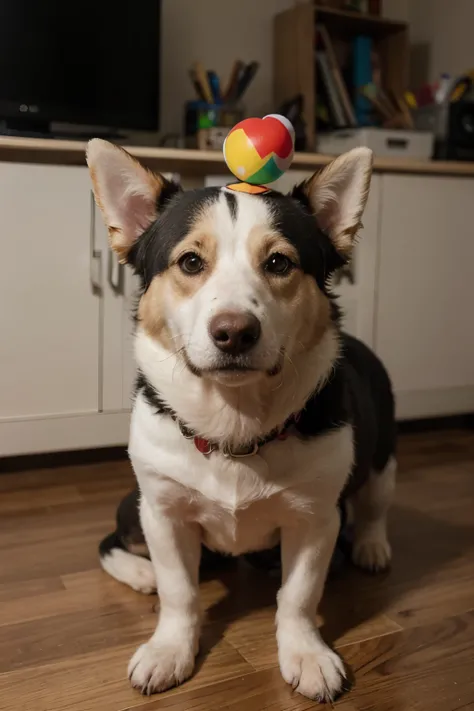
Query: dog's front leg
306, 662
167, 659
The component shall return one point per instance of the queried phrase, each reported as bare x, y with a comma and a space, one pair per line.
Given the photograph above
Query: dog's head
235, 283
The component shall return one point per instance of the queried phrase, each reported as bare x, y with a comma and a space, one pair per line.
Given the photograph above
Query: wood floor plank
259, 691
20, 591
437, 447
428, 667
12, 502
70, 553
101, 594
104, 472
254, 635
97, 681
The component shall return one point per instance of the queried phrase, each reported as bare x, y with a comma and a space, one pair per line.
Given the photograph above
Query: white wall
397, 9
216, 32
442, 32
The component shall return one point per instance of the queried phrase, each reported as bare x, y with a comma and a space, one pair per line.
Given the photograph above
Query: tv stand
18, 128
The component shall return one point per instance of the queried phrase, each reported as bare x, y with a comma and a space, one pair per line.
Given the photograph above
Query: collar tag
203, 445
243, 452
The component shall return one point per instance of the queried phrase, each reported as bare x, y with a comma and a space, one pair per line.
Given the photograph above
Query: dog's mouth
237, 367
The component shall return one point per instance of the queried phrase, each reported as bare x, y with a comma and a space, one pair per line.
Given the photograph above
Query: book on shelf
335, 69
362, 76
335, 104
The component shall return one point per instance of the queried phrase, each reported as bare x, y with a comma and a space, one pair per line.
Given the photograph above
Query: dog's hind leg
125, 566
369, 508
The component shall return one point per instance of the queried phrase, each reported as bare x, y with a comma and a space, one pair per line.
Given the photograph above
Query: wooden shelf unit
294, 67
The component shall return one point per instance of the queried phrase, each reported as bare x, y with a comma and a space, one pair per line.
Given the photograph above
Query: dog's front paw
157, 667
312, 669
372, 553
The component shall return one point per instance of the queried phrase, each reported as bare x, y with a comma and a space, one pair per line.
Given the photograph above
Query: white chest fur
240, 504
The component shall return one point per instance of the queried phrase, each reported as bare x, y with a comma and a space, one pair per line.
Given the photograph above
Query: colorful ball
260, 150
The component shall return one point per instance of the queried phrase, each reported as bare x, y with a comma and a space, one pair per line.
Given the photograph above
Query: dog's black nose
234, 332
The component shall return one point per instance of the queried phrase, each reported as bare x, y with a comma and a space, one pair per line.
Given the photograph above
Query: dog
254, 415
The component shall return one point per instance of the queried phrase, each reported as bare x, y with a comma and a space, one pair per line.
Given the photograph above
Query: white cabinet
49, 314
425, 297
54, 324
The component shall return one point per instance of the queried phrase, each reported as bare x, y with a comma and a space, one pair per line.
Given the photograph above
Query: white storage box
388, 143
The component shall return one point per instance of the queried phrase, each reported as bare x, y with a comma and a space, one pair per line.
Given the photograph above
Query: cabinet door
120, 288
425, 321
49, 314
132, 285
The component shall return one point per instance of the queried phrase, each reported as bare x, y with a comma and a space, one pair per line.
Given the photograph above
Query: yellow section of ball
240, 156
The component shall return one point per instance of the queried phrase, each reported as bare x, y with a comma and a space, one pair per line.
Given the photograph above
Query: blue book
362, 75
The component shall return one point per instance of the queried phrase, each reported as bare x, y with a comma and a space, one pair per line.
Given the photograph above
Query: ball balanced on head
258, 151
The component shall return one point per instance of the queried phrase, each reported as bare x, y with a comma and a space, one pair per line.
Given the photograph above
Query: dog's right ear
337, 196
128, 194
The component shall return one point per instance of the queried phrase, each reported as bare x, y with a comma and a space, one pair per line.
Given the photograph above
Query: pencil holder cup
200, 118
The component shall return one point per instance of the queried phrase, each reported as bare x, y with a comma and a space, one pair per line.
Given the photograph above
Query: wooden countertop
199, 163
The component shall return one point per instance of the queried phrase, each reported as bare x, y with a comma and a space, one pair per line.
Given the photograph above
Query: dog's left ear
337, 196
128, 194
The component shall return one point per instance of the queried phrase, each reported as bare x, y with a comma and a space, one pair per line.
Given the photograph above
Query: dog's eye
278, 264
191, 263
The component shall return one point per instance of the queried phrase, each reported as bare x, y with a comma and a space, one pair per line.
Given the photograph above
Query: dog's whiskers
174, 353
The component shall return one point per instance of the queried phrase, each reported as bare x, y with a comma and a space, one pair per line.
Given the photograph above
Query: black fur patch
107, 545
292, 217
150, 253
168, 192
359, 393
232, 203
149, 393
328, 409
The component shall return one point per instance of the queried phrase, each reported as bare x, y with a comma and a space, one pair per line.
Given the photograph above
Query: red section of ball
268, 135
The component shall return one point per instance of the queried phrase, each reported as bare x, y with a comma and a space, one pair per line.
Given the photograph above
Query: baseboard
60, 434
418, 404
57, 460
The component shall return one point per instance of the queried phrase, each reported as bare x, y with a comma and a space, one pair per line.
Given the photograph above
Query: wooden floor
67, 630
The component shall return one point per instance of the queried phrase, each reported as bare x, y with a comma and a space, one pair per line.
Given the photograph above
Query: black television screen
92, 62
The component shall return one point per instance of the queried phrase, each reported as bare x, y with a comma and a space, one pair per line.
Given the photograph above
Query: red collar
207, 447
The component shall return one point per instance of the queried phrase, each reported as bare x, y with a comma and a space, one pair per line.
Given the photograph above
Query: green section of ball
267, 173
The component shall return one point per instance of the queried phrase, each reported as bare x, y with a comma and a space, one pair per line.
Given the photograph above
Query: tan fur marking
174, 280
150, 312
263, 243
346, 239
138, 549
203, 244
119, 244
299, 290
311, 301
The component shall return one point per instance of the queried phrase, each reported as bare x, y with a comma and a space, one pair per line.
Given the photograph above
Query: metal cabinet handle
115, 273
95, 255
